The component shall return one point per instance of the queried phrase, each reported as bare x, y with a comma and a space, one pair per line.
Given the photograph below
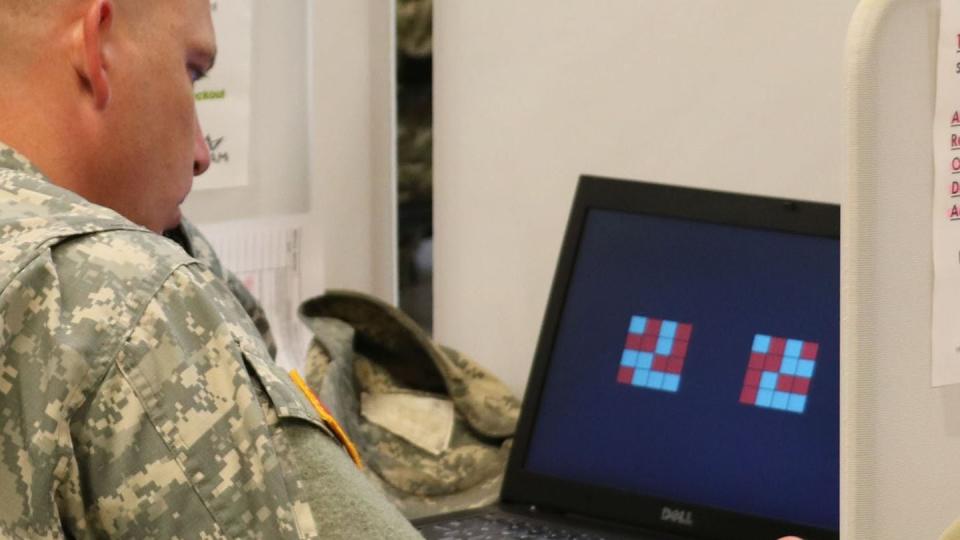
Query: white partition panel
353, 152
741, 95
900, 458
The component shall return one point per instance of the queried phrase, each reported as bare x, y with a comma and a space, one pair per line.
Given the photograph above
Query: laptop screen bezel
638, 197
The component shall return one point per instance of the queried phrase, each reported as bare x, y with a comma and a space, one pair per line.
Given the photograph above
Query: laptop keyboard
497, 526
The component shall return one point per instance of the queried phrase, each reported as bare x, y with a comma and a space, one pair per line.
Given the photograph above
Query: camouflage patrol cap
414, 361
362, 344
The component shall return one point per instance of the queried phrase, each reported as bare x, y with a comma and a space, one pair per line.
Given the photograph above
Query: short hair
24, 7
22, 20
14, 12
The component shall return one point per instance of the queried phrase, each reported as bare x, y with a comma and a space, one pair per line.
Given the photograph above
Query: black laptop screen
698, 362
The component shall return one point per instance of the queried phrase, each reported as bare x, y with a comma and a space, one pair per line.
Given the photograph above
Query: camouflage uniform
415, 27
197, 246
364, 346
137, 399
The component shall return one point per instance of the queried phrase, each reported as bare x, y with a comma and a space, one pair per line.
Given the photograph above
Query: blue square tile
664, 346
793, 348
656, 380
805, 368
671, 382
640, 377
789, 365
644, 360
764, 398
629, 358
797, 403
668, 329
761, 343
638, 324
768, 381
780, 400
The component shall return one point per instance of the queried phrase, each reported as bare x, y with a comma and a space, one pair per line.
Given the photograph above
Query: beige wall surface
742, 95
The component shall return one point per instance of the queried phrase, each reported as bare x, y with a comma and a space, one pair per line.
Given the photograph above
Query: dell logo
680, 517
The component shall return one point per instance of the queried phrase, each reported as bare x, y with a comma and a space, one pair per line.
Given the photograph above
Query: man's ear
90, 40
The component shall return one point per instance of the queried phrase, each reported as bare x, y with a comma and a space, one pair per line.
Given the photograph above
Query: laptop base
515, 521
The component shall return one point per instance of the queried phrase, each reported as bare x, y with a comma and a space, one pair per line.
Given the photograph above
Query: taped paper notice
946, 201
223, 97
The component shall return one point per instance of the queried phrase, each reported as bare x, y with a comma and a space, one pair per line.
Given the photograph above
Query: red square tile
653, 328
648, 343
748, 395
809, 350
777, 345
675, 365
684, 331
634, 342
785, 383
752, 378
801, 385
625, 375
757, 360
772, 363
680, 348
659, 363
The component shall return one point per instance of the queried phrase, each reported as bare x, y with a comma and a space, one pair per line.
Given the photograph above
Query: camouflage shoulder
132, 257
200, 248
93, 288
10, 159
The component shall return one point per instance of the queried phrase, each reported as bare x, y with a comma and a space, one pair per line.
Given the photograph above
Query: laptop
686, 379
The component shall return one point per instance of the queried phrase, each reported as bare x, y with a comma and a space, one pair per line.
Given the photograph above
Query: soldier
137, 399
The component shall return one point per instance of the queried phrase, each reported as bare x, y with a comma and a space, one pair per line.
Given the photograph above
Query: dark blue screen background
699, 445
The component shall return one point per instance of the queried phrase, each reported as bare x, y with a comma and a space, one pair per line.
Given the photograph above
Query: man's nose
201, 152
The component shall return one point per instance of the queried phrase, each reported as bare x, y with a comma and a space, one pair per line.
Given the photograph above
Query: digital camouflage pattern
137, 399
196, 245
415, 27
364, 345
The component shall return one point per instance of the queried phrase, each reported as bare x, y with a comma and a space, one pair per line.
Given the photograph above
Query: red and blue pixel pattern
779, 373
654, 355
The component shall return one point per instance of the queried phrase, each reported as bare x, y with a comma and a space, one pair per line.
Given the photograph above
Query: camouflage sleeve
344, 504
78, 457
137, 400
176, 432
37, 467
219, 402
133, 419
65, 313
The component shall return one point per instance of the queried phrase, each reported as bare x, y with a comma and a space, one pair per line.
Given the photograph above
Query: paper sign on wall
946, 201
223, 97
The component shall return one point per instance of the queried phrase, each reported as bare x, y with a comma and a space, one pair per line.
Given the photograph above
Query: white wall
322, 138
353, 154
900, 436
742, 95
